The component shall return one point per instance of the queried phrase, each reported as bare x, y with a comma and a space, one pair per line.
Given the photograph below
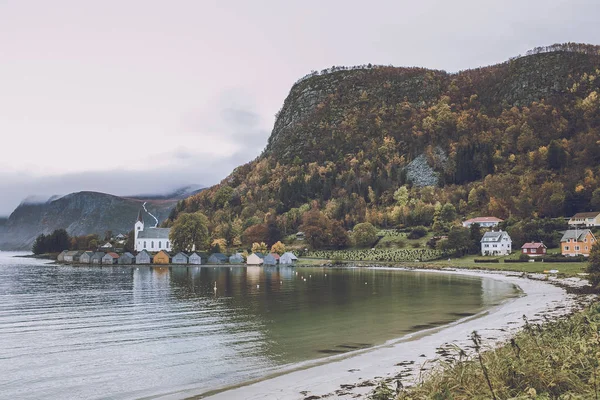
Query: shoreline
409, 357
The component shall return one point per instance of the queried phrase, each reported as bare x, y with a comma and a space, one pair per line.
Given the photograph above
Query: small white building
150, 239
496, 244
253, 259
484, 222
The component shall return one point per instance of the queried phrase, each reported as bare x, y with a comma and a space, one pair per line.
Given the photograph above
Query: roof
533, 245
261, 255
181, 253
113, 255
586, 215
71, 253
98, 254
577, 234
493, 236
154, 233
275, 255
144, 252
289, 254
140, 218
107, 245
194, 255
127, 254
219, 256
483, 219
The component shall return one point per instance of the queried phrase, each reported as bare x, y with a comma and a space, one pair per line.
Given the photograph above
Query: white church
150, 239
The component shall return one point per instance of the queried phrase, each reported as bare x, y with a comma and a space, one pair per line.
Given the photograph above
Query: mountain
520, 138
177, 194
79, 213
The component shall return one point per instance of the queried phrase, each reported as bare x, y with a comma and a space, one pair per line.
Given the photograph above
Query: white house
253, 259
484, 222
585, 219
496, 244
150, 239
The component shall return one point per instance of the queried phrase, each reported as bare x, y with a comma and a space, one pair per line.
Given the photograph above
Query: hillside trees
55, 242
364, 234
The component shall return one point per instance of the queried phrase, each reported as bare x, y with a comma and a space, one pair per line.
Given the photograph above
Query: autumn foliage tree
190, 232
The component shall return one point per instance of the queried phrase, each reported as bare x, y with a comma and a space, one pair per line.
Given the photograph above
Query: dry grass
557, 360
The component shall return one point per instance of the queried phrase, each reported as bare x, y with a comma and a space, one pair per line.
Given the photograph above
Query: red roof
113, 255
484, 219
275, 255
533, 245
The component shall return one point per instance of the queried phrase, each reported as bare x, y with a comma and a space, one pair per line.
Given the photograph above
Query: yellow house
577, 242
585, 219
162, 257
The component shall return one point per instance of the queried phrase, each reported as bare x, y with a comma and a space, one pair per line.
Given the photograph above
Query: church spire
140, 218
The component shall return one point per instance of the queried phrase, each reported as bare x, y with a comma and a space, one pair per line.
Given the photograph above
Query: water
123, 332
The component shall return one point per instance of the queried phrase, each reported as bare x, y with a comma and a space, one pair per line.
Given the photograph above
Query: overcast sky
141, 96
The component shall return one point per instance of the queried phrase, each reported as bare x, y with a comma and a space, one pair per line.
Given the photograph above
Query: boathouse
181, 258
143, 257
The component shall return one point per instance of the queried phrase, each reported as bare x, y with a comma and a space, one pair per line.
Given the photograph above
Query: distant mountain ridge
82, 213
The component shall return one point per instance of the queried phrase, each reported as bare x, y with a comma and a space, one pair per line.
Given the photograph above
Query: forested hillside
519, 139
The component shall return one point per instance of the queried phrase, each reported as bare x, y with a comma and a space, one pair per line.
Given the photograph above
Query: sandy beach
411, 356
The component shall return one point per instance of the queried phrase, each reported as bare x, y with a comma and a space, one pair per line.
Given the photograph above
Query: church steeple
140, 218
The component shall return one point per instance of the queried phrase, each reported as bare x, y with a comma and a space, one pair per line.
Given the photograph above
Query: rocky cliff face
80, 214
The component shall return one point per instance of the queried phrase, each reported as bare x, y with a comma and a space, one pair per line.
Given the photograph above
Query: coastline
411, 356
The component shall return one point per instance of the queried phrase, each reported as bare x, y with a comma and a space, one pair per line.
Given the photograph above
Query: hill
516, 139
79, 213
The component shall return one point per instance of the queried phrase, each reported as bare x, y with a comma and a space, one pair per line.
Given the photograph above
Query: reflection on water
121, 332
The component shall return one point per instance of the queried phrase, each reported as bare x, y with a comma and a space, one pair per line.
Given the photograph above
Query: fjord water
131, 332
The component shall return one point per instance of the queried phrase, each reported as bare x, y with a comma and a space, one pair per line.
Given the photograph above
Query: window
168, 245
566, 248
159, 245
152, 244
586, 248
145, 244
576, 248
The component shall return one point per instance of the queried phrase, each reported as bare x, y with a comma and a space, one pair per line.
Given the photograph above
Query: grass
556, 360
567, 268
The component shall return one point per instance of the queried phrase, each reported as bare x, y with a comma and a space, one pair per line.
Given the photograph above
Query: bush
416, 245
417, 232
395, 255
523, 257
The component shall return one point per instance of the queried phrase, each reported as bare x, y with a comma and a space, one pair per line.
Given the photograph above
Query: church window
159, 245
152, 244
167, 245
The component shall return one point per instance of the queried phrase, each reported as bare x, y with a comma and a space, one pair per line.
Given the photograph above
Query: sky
143, 96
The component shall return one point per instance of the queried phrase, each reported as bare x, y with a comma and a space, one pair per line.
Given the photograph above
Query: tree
401, 196
364, 234
595, 202
129, 243
339, 236
259, 247
218, 245
190, 232
475, 238
594, 264
315, 226
278, 248
40, 245
256, 233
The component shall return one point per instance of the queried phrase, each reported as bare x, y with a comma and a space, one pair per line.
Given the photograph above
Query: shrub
417, 232
523, 257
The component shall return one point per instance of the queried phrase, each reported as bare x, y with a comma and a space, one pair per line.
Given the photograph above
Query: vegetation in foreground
557, 360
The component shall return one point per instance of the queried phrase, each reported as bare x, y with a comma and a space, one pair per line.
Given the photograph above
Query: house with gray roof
496, 243
180, 258
195, 259
143, 257
236, 258
70, 256
127, 259
269, 260
86, 257
97, 257
288, 258
61, 256
217, 258
110, 258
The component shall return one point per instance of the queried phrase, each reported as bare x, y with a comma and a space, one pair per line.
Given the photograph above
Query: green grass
567, 268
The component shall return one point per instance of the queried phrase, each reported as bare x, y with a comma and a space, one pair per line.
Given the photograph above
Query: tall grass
556, 360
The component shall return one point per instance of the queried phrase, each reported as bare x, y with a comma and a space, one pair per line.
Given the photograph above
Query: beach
410, 357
